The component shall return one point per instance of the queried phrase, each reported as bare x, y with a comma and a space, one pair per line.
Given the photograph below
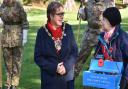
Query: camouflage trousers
88, 42
12, 58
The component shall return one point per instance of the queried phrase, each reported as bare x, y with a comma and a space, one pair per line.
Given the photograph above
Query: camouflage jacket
93, 11
14, 21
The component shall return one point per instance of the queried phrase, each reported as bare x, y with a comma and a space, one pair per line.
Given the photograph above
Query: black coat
119, 43
46, 58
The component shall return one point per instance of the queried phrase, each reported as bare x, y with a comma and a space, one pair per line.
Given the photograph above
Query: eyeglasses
60, 14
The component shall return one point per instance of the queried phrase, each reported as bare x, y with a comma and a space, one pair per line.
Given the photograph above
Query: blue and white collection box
107, 76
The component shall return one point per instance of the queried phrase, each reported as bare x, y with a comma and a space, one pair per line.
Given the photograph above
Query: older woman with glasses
56, 50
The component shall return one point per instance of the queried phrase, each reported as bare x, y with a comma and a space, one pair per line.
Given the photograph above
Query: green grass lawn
30, 75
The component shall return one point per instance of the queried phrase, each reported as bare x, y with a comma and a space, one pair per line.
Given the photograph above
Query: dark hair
52, 7
113, 15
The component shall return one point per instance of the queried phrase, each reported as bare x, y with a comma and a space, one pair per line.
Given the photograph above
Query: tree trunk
0, 65
0, 56
70, 5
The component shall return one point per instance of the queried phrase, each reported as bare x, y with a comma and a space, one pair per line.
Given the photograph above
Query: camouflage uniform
92, 13
15, 20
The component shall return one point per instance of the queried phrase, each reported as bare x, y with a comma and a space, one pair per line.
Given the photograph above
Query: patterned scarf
56, 33
56, 36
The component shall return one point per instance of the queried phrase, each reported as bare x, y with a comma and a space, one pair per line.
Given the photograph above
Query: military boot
13, 87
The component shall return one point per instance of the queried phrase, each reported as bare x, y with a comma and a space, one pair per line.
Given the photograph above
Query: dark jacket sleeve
73, 53
124, 48
40, 58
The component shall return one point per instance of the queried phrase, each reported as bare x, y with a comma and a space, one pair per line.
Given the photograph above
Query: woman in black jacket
116, 41
56, 50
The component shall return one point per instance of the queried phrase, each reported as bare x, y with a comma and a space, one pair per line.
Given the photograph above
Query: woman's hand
61, 69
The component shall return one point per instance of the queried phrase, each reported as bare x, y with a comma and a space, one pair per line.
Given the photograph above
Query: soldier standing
14, 36
92, 12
